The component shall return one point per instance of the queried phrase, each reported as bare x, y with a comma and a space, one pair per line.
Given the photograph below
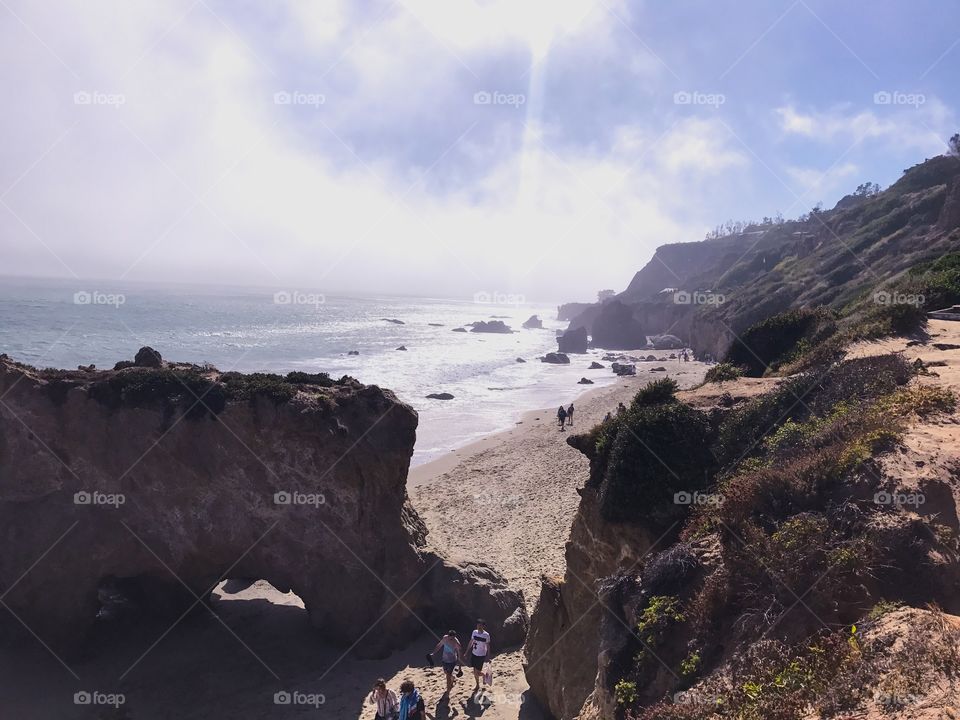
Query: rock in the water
651, 358
147, 357
353, 352
459, 330
573, 341
622, 369
616, 327
491, 326
585, 381
533, 322
595, 366
402, 347
521, 360
440, 396
394, 321
435, 324
555, 358
300, 481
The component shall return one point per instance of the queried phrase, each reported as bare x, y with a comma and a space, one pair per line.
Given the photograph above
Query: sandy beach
507, 500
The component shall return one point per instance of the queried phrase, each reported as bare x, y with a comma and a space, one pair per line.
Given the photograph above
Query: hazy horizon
419, 147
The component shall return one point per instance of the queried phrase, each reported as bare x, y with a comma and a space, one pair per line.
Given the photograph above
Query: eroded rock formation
167, 480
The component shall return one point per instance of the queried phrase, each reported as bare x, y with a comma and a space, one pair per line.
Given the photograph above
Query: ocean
66, 323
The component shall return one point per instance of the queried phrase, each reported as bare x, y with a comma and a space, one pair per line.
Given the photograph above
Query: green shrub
776, 340
722, 372
656, 392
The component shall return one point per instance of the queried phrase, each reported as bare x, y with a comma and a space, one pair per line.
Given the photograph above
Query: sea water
66, 323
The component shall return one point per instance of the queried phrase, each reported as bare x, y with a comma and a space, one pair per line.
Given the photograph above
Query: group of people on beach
565, 416
409, 705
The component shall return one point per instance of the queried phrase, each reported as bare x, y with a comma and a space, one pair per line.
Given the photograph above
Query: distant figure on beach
562, 417
452, 654
412, 706
608, 417
570, 414
388, 705
479, 650
621, 408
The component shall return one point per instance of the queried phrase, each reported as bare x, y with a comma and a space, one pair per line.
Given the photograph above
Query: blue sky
534, 147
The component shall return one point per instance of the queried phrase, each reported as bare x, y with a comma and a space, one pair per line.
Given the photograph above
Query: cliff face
827, 258
563, 645
165, 481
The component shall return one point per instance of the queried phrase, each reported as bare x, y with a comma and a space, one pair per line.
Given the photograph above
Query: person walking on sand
451, 657
386, 701
562, 417
479, 650
412, 706
570, 415
621, 408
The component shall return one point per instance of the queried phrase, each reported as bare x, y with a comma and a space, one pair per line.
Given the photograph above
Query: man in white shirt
479, 651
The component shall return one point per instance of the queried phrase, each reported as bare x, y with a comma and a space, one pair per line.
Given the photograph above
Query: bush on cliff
657, 448
765, 346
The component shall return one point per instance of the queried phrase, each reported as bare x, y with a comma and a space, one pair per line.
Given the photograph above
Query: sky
538, 148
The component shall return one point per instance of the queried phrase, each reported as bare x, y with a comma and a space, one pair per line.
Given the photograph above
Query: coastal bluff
156, 483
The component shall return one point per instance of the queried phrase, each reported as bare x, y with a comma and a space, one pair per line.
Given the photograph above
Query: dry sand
507, 500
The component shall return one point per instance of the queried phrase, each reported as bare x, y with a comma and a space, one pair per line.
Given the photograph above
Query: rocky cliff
163, 481
707, 292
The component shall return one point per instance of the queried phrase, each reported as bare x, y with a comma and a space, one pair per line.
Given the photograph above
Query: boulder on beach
492, 326
651, 358
533, 323
459, 330
402, 347
440, 396
147, 357
573, 341
623, 369
521, 360
556, 358
595, 366
585, 381
658, 369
